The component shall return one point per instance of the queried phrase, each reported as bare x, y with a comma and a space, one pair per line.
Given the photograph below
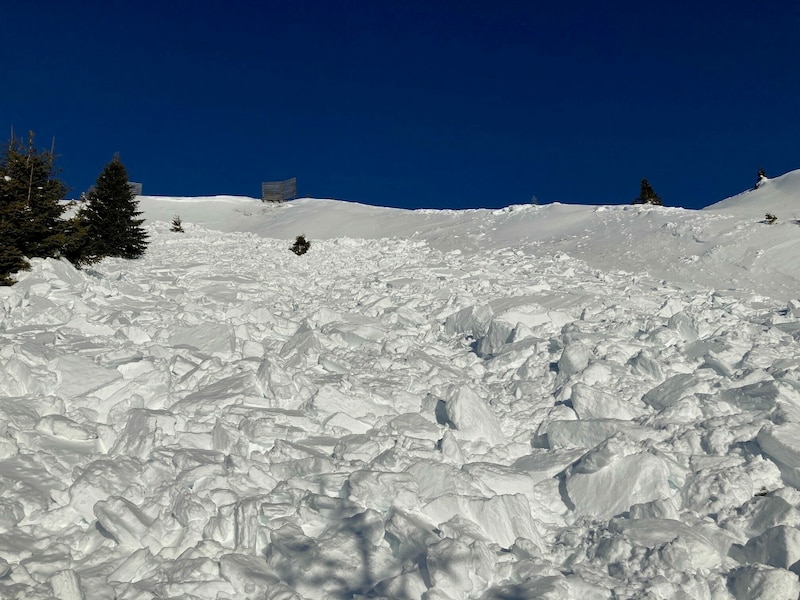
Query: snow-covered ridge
778, 195
724, 246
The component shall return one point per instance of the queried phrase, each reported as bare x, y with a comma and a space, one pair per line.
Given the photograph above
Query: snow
535, 402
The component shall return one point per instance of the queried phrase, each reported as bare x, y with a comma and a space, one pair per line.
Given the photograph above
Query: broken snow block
123, 521
672, 390
502, 518
759, 396
759, 582
782, 444
777, 547
592, 403
586, 433
211, 338
574, 359
449, 566
472, 417
472, 320
66, 585
383, 489
619, 483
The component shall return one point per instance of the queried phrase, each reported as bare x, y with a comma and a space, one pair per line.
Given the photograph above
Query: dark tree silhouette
110, 217
177, 226
301, 245
30, 206
647, 195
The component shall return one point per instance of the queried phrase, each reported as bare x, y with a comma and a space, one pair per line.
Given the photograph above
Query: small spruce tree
301, 245
177, 226
111, 217
647, 195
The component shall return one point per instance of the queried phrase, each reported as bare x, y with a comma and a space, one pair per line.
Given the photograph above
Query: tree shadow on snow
302, 562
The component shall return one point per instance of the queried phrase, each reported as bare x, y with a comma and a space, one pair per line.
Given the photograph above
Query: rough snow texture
402, 418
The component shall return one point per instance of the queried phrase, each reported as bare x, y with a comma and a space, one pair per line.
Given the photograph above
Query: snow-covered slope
726, 246
780, 196
538, 402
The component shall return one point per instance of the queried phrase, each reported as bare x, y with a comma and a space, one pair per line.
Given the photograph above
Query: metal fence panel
279, 191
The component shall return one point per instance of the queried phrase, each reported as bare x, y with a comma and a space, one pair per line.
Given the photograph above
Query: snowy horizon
540, 401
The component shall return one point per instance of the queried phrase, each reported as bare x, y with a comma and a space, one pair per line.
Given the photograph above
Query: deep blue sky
414, 103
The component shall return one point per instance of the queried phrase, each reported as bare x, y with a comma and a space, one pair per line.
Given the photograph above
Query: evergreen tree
11, 259
647, 195
30, 206
76, 244
31, 196
177, 226
110, 218
301, 245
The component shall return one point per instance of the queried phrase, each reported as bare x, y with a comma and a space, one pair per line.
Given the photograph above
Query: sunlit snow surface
538, 402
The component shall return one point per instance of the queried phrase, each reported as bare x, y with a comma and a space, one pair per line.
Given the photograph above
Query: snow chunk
144, 429
79, 376
760, 396
277, 384
588, 433
472, 320
382, 490
574, 358
673, 389
60, 273
457, 569
777, 547
209, 337
123, 520
252, 577
329, 400
502, 518
592, 403
472, 417
99, 480
757, 582
782, 444
606, 482
60, 426
66, 585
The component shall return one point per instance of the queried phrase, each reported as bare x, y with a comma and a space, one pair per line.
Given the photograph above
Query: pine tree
30, 206
31, 198
11, 259
301, 245
76, 244
110, 217
177, 226
647, 195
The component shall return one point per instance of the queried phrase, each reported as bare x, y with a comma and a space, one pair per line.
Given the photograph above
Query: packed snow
552, 401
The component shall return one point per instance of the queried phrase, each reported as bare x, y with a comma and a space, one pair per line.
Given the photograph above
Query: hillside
559, 402
725, 246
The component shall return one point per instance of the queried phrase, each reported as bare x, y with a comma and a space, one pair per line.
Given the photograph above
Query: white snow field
560, 402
